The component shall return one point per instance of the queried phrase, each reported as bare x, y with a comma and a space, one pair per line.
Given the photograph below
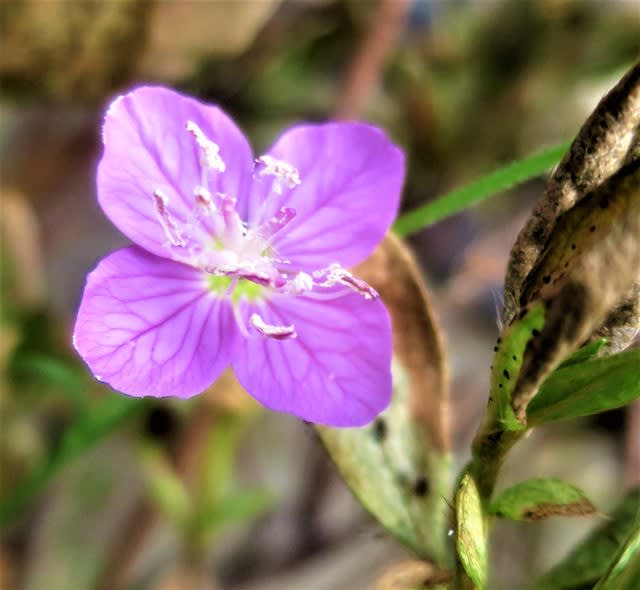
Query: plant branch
365, 69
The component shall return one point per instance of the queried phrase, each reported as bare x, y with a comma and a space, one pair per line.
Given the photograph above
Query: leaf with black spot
398, 466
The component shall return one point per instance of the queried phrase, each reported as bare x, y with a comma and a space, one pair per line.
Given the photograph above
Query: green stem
489, 450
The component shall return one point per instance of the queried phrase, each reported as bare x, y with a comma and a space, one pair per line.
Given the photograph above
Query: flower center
237, 289
239, 260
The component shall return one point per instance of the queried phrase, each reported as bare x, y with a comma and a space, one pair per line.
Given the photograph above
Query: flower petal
351, 179
336, 371
147, 148
149, 326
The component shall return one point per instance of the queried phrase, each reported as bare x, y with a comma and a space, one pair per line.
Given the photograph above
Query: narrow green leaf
54, 372
624, 572
166, 487
589, 561
536, 499
217, 470
101, 421
471, 536
588, 387
586, 353
237, 507
475, 192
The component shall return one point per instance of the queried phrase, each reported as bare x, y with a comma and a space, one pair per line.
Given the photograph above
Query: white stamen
204, 201
169, 225
270, 331
341, 276
302, 282
286, 174
282, 217
210, 150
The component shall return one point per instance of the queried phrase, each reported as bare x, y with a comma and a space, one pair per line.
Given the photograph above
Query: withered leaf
623, 323
609, 139
591, 262
413, 575
417, 344
398, 466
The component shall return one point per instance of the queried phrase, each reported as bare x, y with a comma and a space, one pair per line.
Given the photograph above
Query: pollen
210, 151
286, 174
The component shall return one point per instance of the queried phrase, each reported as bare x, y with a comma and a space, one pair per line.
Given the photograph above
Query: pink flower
241, 262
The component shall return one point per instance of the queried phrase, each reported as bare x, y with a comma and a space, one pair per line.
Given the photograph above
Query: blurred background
103, 492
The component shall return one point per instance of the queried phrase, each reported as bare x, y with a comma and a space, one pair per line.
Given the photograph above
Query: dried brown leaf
543, 511
589, 266
399, 466
609, 139
413, 575
623, 323
417, 344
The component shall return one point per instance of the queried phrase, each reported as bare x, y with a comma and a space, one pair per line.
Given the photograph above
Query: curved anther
169, 225
336, 275
286, 174
282, 217
210, 155
271, 331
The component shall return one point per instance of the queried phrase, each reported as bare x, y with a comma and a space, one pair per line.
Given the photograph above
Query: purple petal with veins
241, 262
336, 370
147, 148
351, 176
149, 326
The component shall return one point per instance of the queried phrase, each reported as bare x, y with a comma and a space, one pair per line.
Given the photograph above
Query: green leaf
87, 431
624, 572
470, 534
397, 474
237, 507
507, 364
585, 388
589, 561
217, 471
52, 371
166, 487
474, 192
586, 353
536, 499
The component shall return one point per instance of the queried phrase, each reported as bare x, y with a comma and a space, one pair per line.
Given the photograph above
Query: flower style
241, 262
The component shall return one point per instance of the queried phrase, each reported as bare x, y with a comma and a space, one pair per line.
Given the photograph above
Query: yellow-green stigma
244, 289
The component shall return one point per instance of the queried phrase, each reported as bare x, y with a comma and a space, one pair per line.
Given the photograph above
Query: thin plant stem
365, 70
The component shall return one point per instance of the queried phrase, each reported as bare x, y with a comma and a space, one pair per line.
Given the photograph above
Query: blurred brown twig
365, 69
